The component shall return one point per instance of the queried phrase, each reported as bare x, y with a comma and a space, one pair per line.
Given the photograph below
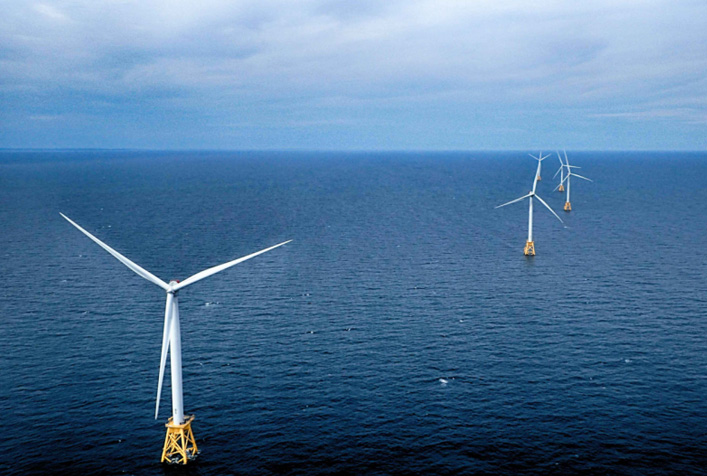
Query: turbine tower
530, 244
561, 171
539, 158
568, 205
179, 445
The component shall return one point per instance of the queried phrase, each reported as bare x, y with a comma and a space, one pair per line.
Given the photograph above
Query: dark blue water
401, 332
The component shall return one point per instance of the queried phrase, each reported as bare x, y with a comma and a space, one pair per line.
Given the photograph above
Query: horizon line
324, 150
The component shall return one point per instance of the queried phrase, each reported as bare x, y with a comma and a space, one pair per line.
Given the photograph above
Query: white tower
180, 445
529, 249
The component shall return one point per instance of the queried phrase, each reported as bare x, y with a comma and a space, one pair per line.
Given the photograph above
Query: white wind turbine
539, 158
560, 171
180, 445
530, 244
568, 205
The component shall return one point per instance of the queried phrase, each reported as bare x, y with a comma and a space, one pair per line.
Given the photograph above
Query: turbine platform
568, 207
179, 444
561, 189
529, 248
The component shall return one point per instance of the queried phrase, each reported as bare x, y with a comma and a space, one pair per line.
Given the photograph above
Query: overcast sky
352, 75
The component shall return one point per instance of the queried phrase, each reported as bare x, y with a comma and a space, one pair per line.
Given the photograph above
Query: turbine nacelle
540, 157
532, 195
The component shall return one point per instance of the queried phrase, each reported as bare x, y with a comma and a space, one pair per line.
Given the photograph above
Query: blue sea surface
401, 332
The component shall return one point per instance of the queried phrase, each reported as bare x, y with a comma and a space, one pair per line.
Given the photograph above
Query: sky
354, 75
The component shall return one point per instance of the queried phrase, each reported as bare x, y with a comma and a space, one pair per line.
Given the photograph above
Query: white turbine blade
535, 179
561, 182
543, 158
585, 178
165, 348
208, 272
516, 200
548, 207
533, 156
137, 269
573, 166
566, 159
560, 158
558, 171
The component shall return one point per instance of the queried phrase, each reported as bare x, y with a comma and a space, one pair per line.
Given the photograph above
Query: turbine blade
165, 348
558, 171
585, 178
208, 272
533, 156
561, 182
558, 156
516, 200
134, 267
548, 207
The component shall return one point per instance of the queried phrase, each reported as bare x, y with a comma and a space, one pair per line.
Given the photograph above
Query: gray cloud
602, 57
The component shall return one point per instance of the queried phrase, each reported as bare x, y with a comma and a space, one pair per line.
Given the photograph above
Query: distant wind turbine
539, 158
568, 205
530, 244
561, 171
179, 445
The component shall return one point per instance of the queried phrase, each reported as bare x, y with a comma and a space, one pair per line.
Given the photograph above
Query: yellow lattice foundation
529, 248
568, 207
179, 444
561, 189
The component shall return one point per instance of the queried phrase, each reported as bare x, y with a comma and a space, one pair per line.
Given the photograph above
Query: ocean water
401, 332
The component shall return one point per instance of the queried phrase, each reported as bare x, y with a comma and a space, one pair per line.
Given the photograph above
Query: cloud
688, 115
50, 12
45, 117
229, 57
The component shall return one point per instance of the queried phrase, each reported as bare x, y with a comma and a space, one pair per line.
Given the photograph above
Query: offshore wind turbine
539, 158
561, 171
568, 205
530, 244
179, 445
